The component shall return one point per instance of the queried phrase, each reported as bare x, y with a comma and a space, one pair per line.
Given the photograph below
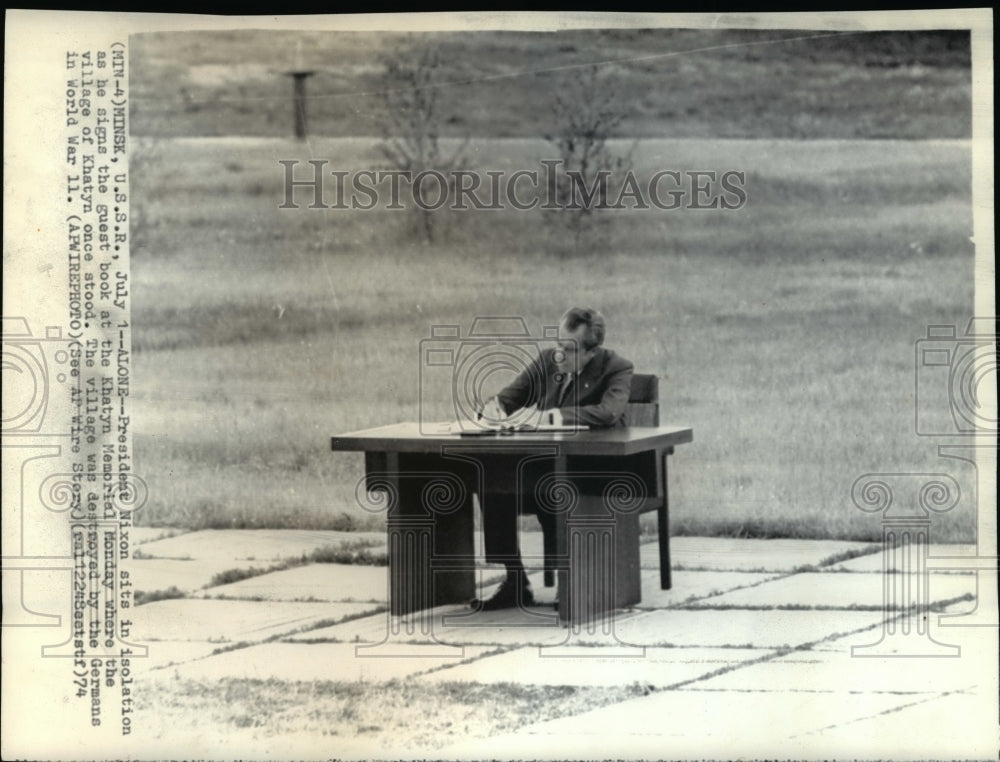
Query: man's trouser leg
500, 528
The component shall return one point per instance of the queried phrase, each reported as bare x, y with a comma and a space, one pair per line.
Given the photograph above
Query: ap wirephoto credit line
531, 386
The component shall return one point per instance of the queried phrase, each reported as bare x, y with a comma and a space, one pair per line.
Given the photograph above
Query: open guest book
483, 428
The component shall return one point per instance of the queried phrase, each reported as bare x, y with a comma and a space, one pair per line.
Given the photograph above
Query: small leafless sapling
412, 121
588, 112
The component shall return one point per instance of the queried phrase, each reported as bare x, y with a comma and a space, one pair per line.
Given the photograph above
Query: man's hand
492, 412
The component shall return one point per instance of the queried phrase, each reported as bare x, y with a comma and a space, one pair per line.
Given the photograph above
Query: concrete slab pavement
254, 544
830, 589
151, 574
723, 687
161, 654
892, 560
322, 582
739, 628
688, 586
451, 625
319, 661
724, 628
221, 621
687, 723
144, 535
733, 554
658, 667
840, 672
964, 637
949, 726
694, 586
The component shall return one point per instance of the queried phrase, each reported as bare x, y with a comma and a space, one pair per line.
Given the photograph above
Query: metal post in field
299, 99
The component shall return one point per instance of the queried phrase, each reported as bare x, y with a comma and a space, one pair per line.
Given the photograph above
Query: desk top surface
414, 437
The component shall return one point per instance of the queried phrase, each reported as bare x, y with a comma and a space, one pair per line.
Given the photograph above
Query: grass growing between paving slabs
356, 552
936, 607
389, 715
836, 558
322, 624
395, 714
360, 552
350, 553
831, 560
141, 597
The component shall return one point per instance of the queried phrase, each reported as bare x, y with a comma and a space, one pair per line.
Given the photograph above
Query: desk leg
429, 530
601, 550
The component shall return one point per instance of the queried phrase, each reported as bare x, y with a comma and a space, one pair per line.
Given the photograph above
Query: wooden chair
643, 410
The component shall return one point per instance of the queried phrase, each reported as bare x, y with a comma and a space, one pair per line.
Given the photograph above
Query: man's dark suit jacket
596, 397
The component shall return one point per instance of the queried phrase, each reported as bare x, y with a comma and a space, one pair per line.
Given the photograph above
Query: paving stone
660, 667
954, 726
687, 724
725, 628
702, 586
254, 544
840, 591
150, 574
782, 555
144, 535
320, 661
839, 672
977, 614
356, 582
232, 621
969, 640
739, 627
874, 562
731, 554
686, 585
323, 582
537, 624
163, 654
450, 625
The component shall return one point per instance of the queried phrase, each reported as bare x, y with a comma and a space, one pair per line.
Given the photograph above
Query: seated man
576, 382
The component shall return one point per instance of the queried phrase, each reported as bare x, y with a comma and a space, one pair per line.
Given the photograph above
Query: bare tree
587, 114
412, 119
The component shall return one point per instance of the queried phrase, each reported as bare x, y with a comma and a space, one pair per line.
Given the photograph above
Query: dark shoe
507, 596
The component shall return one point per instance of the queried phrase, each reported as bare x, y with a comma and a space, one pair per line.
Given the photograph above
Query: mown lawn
723, 83
783, 332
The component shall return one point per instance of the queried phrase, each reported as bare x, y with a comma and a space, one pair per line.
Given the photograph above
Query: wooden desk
596, 480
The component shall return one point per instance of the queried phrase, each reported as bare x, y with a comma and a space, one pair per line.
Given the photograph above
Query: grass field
723, 83
240, 716
783, 332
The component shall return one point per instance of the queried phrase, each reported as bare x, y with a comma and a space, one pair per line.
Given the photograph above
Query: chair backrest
643, 407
